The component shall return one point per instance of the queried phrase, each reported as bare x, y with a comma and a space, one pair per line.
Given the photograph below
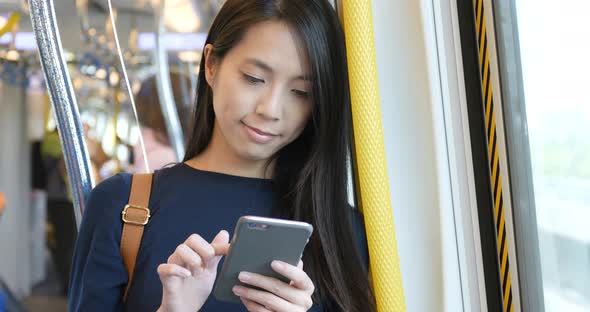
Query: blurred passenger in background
61, 228
153, 126
2, 202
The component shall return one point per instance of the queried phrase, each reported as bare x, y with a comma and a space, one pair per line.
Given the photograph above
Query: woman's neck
219, 157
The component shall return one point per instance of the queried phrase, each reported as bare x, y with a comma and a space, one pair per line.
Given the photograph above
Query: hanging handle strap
135, 216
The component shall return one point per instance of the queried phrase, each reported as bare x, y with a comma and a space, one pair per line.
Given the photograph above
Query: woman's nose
269, 105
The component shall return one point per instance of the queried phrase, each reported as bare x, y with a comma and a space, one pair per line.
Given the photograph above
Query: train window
551, 48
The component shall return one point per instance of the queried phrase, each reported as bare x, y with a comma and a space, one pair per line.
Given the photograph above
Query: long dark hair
310, 173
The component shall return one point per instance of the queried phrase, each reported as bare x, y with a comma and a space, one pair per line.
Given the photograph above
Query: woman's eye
300, 93
252, 80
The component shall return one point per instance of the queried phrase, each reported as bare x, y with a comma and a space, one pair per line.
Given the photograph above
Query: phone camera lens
257, 226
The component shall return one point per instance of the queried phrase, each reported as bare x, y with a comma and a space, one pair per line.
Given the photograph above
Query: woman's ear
210, 64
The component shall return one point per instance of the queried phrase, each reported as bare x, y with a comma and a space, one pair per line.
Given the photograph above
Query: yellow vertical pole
373, 181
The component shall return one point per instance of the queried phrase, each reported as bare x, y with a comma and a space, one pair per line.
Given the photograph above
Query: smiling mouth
260, 132
259, 136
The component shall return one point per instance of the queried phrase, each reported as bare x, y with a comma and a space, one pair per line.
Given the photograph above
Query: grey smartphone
256, 242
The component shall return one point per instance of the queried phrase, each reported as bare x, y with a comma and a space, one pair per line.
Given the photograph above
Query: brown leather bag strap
135, 216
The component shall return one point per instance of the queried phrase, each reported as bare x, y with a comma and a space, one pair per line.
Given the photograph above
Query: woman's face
260, 92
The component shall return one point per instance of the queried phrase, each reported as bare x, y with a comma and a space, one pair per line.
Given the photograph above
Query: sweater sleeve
98, 276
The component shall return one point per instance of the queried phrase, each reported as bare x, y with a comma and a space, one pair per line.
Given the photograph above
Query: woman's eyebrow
260, 64
267, 68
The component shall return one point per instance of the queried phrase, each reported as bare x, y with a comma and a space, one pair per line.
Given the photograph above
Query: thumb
221, 244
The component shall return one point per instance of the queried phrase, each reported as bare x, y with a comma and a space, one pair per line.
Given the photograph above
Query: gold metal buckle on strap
144, 222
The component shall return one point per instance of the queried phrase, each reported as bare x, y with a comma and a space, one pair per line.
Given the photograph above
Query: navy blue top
209, 203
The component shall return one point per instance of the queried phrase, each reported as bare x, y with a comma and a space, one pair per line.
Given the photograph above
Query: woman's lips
258, 135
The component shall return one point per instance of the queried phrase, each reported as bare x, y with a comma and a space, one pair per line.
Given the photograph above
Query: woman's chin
256, 155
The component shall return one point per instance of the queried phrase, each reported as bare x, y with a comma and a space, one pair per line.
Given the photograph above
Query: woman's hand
279, 296
188, 276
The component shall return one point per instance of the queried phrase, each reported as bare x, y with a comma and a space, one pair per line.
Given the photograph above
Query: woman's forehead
273, 46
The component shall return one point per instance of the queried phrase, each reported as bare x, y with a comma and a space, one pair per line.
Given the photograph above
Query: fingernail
237, 290
186, 273
244, 276
277, 265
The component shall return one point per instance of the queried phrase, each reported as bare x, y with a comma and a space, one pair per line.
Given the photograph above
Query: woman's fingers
189, 258
277, 287
196, 254
221, 243
221, 249
268, 300
298, 277
167, 270
274, 294
201, 247
253, 306
172, 277
220, 246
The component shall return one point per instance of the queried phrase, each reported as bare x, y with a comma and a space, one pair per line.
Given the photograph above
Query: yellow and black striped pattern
484, 63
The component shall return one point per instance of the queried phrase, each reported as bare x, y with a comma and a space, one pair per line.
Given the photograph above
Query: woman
271, 136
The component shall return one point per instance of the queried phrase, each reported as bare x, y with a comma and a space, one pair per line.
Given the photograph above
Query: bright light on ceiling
181, 16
